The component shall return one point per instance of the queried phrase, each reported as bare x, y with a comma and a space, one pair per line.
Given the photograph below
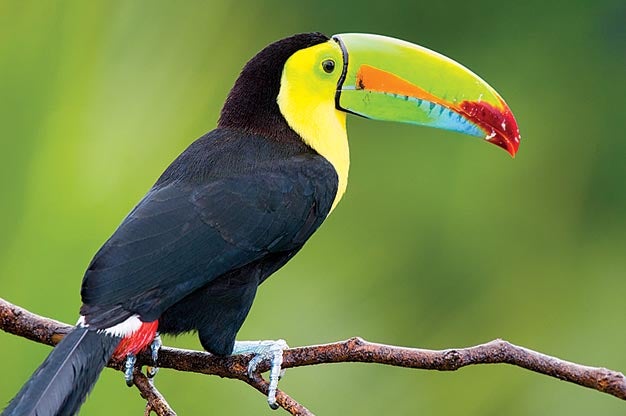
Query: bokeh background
441, 240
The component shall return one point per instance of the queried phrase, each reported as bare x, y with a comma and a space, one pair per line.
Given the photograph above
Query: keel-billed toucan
243, 199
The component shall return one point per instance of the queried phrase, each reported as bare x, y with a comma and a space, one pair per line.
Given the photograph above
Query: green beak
388, 79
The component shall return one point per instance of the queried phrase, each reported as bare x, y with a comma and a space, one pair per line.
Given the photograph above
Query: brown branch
156, 402
20, 322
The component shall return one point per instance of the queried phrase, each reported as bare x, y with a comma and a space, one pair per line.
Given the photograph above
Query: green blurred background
441, 240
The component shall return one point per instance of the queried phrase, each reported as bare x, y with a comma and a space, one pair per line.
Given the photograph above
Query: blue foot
128, 369
154, 350
265, 350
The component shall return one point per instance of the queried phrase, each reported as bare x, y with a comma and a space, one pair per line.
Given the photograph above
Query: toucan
243, 199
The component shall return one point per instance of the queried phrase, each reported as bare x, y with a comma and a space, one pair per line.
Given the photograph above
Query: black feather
220, 215
61, 383
251, 105
228, 212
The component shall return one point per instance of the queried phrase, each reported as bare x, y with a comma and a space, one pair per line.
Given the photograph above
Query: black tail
60, 385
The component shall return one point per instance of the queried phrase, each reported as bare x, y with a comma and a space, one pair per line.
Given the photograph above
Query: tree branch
18, 321
156, 402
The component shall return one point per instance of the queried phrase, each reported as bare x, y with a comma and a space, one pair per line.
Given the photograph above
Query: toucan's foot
265, 350
129, 366
154, 350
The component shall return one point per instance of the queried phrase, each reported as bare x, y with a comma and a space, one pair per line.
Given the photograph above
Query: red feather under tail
137, 341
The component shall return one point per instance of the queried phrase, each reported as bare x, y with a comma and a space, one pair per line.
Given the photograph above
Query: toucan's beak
389, 79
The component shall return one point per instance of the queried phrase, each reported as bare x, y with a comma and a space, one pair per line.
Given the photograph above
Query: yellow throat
307, 101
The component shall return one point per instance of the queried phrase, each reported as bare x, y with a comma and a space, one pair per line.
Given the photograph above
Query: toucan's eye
328, 65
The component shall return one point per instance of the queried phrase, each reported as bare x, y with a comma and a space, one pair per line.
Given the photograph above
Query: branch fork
18, 321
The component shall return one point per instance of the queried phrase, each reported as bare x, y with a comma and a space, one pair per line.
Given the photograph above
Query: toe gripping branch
265, 350
155, 346
131, 359
262, 350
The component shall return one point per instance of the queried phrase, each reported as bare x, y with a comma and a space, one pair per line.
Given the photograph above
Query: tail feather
61, 383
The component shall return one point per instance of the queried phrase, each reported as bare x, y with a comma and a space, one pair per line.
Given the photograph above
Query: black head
251, 104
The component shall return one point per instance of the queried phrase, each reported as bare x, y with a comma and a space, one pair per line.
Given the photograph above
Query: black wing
182, 236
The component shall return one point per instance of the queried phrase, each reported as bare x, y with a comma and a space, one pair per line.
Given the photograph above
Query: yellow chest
322, 127
332, 144
307, 101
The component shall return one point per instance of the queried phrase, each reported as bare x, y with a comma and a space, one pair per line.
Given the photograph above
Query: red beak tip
498, 123
500, 140
513, 146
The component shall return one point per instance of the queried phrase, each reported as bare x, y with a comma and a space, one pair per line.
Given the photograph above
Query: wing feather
182, 236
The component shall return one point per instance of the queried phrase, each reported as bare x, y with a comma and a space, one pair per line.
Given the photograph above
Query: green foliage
440, 241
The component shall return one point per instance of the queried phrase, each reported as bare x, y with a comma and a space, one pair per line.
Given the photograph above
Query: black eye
328, 66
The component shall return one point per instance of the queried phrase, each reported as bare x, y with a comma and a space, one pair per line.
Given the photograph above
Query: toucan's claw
265, 350
155, 346
129, 366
